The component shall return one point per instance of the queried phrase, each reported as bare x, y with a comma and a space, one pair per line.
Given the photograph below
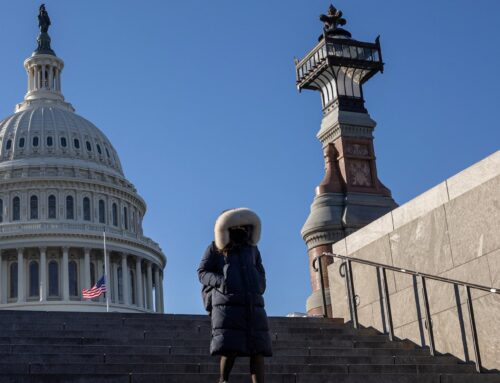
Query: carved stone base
335, 215
324, 224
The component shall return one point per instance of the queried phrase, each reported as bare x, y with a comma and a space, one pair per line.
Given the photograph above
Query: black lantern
338, 65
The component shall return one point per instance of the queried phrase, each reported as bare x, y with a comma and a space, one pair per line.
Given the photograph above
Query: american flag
96, 290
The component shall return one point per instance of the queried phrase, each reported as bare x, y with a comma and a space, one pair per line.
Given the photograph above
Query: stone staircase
57, 347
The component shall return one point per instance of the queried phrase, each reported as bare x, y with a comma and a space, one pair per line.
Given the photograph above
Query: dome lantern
44, 70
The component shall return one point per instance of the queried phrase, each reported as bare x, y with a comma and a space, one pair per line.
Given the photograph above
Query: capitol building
62, 186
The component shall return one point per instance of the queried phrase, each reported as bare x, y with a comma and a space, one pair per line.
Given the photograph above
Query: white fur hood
232, 218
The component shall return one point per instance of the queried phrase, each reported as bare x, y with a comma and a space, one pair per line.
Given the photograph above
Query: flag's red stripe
93, 292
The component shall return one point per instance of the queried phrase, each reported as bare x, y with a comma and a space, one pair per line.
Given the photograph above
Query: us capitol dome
61, 186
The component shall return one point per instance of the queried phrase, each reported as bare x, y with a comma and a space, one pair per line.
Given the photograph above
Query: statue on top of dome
43, 39
43, 19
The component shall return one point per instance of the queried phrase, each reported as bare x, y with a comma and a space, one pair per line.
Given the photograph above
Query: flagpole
106, 280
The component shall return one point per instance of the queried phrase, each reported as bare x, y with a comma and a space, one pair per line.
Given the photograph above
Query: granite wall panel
473, 221
417, 207
452, 231
486, 313
338, 292
494, 266
365, 316
474, 176
422, 245
452, 333
415, 332
405, 306
444, 295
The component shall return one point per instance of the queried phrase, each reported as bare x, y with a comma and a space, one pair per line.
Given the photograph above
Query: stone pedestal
350, 195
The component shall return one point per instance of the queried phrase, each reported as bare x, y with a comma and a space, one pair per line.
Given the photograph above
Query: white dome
52, 134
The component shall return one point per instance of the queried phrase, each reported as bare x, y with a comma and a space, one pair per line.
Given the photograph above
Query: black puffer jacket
239, 320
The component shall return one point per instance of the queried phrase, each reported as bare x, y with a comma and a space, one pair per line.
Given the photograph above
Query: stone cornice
59, 236
323, 237
338, 130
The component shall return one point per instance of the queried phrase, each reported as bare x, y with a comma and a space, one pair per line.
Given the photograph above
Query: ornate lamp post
350, 195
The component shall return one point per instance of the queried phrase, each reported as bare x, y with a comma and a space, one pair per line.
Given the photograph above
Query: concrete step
126, 340
168, 342
25, 344
13, 324
120, 333
213, 368
120, 358
170, 350
244, 378
51, 316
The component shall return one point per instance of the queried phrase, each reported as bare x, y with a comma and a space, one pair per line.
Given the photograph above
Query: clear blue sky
199, 99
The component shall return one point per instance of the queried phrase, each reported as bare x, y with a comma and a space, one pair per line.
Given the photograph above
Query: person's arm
208, 272
261, 271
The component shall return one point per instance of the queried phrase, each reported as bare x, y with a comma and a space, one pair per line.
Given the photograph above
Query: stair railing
381, 269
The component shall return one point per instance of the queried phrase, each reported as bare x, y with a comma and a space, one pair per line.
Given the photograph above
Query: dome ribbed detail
48, 132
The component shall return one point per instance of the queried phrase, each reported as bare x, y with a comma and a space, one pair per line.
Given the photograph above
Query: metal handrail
381, 270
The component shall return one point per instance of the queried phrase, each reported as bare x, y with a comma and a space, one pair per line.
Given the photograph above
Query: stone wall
452, 230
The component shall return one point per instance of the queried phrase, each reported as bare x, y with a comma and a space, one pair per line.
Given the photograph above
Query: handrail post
352, 297
430, 333
473, 330
387, 304
322, 284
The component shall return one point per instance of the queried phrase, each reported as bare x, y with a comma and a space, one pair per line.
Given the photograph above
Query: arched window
16, 209
34, 279
125, 217
13, 280
35, 141
33, 207
99, 149
21, 142
89, 147
52, 206
8, 145
64, 143
133, 221
107, 152
120, 284
86, 209
92, 274
70, 207
53, 279
115, 214
102, 211
76, 142
132, 287
73, 278
50, 141
1, 210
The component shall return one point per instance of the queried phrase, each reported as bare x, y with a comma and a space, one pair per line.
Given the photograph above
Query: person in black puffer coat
234, 281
